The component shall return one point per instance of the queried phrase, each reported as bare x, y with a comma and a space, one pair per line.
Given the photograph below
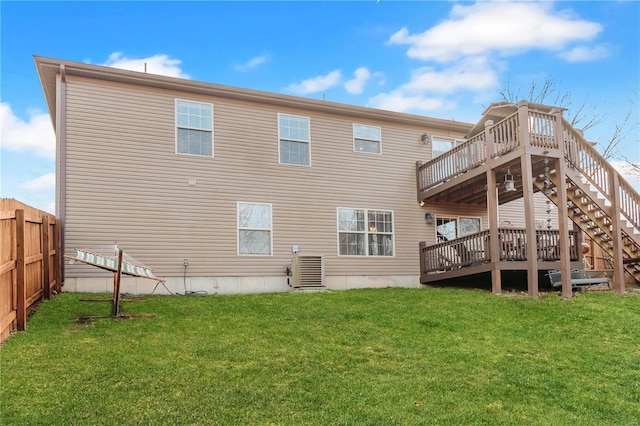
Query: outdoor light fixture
509, 184
428, 217
426, 138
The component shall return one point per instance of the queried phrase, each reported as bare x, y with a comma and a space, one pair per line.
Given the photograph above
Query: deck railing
466, 156
505, 135
474, 152
474, 249
597, 170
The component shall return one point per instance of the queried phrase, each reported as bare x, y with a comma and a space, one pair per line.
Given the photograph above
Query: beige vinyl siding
125, 183
511, 214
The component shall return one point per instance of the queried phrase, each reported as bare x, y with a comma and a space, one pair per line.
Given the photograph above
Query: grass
360, 357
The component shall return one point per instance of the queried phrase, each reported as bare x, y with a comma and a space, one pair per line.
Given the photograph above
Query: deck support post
614, 198
563, 221
494, 235
561, 201
530, 222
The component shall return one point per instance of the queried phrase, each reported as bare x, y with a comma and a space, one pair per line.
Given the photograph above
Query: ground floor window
363, 232
254, 229
450, 228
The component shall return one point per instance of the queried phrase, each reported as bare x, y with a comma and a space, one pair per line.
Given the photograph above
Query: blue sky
440, 59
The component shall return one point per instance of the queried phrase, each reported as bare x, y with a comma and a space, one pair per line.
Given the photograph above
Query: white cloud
44, 183
470, 74
316, 84
252, 63
585, 53
425, 90
503, 27
156, 64
401, 101
35, 135
355, 86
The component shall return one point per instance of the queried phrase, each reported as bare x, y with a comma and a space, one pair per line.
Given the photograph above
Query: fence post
46, 260
21, 291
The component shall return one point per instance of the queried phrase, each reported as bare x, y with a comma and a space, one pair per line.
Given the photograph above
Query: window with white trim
363, 232
294, 140
254, 229
450, 228
367, 139
441, 145
194, 128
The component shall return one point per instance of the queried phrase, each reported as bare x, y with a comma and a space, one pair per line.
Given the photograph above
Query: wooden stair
588, 209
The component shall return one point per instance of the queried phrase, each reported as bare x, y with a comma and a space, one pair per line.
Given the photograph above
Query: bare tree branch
583, 116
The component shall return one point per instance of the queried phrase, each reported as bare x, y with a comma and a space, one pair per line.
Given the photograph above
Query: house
228, 190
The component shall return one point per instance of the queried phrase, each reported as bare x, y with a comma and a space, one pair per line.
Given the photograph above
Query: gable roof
48, 68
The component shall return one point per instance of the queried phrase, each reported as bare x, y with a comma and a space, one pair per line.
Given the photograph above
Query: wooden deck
535, 143
472, 254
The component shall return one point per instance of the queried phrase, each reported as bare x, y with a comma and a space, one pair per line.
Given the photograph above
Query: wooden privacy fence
30, 263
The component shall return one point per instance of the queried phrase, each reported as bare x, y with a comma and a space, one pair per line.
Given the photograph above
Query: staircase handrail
599, 172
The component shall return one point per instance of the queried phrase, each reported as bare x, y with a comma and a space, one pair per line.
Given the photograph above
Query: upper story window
254, 229
194, 128
366, 139
364, 232
441, 145
293, 132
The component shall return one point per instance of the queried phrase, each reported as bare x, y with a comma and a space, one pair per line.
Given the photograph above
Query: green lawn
374, 357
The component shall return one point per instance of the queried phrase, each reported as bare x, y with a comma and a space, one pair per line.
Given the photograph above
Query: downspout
60, 124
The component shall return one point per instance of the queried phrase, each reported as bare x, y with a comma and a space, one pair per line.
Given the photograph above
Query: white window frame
379, 140
239, 228
366, 232
176, 126
454, 142
457, 220
281, 139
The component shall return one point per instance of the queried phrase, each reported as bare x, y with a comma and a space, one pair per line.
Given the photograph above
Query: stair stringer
591, 214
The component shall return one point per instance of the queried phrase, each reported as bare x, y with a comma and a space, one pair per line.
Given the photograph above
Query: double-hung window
441, 145
364, 232
450, 228
366, 139
194, 128
254, 229
294, 140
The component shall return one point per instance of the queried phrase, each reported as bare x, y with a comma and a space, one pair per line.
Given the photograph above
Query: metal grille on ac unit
308, 271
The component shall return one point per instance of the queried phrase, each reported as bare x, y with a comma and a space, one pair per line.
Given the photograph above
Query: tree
582, 115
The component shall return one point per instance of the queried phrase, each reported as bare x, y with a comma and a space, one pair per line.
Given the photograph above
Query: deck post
563, 218
418, 185
563, 221
489, 138
618, 268
523, 122
494, 234
421, 247
530, 222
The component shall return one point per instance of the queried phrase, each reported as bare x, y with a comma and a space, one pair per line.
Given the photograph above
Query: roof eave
46, 66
